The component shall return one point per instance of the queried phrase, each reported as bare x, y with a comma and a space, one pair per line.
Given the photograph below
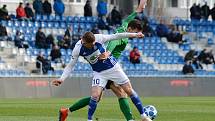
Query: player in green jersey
115, 48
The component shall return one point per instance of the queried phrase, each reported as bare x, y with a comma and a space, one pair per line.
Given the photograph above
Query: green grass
169, 109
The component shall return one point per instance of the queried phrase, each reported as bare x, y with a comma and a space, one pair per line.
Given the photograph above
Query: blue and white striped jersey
91, 55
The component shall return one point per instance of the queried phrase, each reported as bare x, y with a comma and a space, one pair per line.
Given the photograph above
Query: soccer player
90, 47
116, 48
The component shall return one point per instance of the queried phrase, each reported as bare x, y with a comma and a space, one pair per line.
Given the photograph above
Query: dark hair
135, 24
135, 47
88, 37
4, 6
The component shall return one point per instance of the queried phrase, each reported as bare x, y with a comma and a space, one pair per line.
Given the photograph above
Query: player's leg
83, 102
119, 77
122, 98
98, 84
76, 106
134, 97
63, 113
95, 96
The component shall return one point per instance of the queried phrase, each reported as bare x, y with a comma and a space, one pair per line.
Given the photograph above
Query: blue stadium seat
88, 27
35, 52
38, 17
95, 19
63, 19
89, 19
30, 24
57, 18
50, 25
145, 47
43, 24
82, 20
76, 19
63, 52
75, 26
51, 18
69, 52
69, 19
6, 23
16, 23
44, 18
36, 24
87, 67
62, 24
82, 26
56, 24
146, 40
210, 41
50, 73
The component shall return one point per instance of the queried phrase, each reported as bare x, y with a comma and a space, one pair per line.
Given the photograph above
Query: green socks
125, 108
80, 104
123, 103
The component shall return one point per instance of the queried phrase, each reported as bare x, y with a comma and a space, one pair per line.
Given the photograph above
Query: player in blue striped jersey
90, 47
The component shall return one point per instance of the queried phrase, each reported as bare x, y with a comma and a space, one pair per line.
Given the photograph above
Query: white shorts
114, 74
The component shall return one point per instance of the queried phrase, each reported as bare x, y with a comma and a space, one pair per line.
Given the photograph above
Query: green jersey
116, 47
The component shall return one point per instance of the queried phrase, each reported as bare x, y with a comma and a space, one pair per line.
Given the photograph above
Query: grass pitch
169, 109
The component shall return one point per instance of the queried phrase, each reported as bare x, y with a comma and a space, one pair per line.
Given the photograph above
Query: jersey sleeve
68, 69
106, 38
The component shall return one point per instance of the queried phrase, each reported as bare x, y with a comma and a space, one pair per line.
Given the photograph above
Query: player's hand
141, 6
137, 35
140, 35
104, 55
57, 82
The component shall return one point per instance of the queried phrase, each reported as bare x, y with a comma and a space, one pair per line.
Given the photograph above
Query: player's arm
111, 45
106, 38
131, 17
117, 38
68, 69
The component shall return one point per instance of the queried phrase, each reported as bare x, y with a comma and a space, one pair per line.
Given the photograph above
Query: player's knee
95, 96
129, 91
121, 94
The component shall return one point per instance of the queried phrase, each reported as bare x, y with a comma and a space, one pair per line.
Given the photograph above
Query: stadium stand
159, 57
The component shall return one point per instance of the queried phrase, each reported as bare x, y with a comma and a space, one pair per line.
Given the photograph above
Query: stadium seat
89, 19
56, 24
69, 19
88, 27
43, 24
9, 23
50, 25
82, 26
57, 18
36, 24
44, 18
5, 23
62, 25
82, 20
76, 19
16, 23
210, 41
51, 18
63, 19
63, 52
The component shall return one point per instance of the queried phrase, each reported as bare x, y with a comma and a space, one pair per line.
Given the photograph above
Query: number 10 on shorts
96, 81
